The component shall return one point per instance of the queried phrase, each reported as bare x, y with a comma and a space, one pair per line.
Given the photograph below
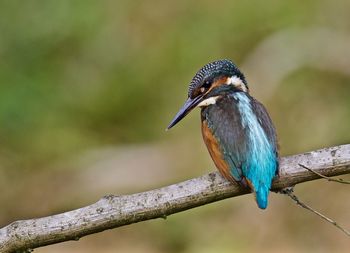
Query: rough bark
115, 211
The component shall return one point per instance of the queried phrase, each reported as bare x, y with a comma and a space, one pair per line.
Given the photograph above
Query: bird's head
211, 81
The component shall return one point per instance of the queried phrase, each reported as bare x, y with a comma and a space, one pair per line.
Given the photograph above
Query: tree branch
115, 211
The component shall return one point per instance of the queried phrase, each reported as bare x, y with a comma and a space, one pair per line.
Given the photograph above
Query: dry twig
289, 191
337, 180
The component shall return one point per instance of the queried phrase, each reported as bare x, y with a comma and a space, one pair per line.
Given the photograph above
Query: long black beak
186, 108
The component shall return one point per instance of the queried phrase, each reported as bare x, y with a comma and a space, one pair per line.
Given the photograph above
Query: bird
236, 128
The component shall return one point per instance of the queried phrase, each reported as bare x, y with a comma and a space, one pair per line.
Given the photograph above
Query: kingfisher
236, 128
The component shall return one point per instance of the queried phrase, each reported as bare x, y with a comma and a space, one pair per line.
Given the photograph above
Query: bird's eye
205, 86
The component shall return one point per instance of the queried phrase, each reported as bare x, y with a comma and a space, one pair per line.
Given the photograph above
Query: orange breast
215, 152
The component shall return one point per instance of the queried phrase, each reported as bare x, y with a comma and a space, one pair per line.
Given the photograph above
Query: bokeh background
88, 87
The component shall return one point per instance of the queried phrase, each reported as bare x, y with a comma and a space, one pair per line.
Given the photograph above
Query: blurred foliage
79, 75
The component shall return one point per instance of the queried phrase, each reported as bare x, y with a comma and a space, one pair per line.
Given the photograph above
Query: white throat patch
208, 101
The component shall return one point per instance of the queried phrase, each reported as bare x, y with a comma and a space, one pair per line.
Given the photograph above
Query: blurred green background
88, 87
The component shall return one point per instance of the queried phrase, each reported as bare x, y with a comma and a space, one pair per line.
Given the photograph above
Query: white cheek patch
208, 101
237, 82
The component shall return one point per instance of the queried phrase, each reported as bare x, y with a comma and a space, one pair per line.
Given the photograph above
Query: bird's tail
262, 194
